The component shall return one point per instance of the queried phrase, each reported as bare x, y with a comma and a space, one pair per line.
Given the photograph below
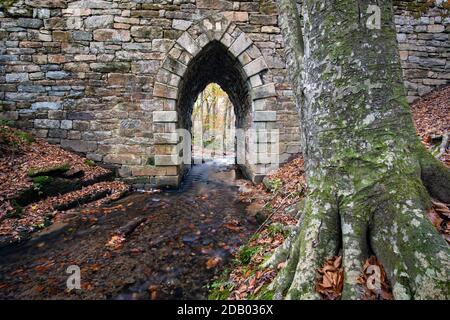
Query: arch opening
213, 127
215, 51
214, 64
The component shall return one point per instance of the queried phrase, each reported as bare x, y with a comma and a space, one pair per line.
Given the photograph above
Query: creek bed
185, 238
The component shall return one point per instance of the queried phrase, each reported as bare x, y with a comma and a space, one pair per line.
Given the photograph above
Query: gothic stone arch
210, 50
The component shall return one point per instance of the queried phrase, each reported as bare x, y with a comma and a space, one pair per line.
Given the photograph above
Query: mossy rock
267, 7
16, 214
25, 137
55, 170
262, 216
89, 163
46, 186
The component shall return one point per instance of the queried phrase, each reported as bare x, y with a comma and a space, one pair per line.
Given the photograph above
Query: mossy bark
369, 177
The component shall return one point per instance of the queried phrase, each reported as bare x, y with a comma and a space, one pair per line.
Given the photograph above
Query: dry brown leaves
432, 118
115, 242
292, 174
331, 279
14, 167
330, 282
249, 283
213, 262
248, 280
375, 277
439, 214
35, 214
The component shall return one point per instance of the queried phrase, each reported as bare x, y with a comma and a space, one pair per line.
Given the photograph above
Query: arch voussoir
189, 44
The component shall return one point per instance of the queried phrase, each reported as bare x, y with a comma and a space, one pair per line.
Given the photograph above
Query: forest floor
38, 180
281, 197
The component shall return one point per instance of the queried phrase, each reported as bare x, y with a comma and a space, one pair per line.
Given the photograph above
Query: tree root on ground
389, 221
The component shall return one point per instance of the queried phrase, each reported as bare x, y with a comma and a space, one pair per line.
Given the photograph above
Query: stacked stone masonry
424, 44
110, 78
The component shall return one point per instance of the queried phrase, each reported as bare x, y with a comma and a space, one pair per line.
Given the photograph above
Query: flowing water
182, 239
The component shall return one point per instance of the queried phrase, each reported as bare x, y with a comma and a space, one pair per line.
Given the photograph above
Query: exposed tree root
435, 175
389, 221
415, 256
316, 240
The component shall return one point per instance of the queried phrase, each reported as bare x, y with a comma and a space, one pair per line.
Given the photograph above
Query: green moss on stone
49, 171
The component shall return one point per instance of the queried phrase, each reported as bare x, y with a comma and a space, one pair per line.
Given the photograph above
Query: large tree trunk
369, 177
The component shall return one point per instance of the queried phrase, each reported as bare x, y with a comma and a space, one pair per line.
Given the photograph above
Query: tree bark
369, 176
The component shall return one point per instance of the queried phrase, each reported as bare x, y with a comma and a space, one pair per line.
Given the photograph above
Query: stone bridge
115, 79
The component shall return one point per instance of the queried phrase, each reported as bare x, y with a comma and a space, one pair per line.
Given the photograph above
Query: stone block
265, 91
46, 106
30, 23
164, 91
80, 35
66, 124
91, 4
435, 28
165, 116
57, 133
144, 67
82, 115
167, 181
167, 77
165, 138
162, 45
52, 4
9, 115
139, 171
110, 67
264, 116
270, 29
179, 24
240, 45
55, 23
79, 145
255, 81
112, 35
57, 75
174, 66
46, 124
99, 22
16, 77
236, 16
188, 43
263, 19
147, 32
165, 160
122, 159
255, 66
222, 5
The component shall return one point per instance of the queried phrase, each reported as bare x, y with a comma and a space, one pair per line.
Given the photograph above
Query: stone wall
83, 74
423, 37
105, 77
